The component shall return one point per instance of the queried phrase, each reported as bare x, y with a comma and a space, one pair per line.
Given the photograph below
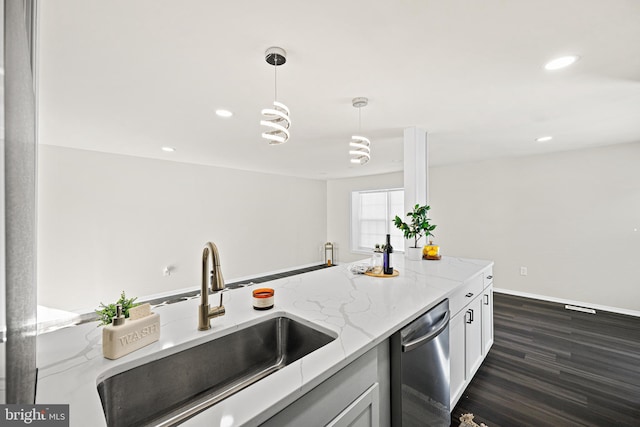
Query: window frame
354, 221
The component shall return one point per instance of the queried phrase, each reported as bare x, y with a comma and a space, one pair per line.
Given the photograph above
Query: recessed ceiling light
544, 139
224, 113
562, 62
168, 149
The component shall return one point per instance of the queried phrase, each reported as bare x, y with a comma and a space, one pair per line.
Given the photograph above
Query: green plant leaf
419, 224
107, 312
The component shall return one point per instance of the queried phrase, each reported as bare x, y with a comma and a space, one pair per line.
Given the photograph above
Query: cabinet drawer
488, 276
330, 399
466, 294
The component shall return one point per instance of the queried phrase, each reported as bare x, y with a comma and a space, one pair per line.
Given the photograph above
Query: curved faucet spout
205, 313
217, 281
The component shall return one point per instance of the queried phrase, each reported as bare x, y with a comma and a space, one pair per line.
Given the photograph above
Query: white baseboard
569, 302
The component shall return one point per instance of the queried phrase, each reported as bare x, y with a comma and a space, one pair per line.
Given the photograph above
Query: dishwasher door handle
439, 327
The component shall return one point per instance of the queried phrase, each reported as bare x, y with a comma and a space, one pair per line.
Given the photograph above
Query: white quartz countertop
361, 311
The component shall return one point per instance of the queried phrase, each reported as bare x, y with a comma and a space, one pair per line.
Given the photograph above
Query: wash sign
34, 415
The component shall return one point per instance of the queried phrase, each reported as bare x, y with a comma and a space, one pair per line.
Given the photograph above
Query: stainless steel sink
167, 391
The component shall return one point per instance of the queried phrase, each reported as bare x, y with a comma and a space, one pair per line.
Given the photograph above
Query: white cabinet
465, 347
348, 398
487, 318
473, 337
457, 356
363, 412
470, 331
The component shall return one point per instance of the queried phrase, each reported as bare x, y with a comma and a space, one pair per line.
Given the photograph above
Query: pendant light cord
275, 79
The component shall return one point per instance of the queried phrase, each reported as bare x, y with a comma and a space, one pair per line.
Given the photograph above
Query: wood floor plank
555, 367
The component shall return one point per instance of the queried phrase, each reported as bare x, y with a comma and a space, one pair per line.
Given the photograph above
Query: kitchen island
362, 312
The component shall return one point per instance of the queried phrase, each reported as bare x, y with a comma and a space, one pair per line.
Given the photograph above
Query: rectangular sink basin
169, 390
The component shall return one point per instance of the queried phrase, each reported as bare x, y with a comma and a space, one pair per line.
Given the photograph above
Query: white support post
416, 170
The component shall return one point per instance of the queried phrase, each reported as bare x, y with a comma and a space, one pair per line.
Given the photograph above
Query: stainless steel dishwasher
420, 371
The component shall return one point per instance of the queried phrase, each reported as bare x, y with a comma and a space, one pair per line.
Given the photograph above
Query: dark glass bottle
386, 257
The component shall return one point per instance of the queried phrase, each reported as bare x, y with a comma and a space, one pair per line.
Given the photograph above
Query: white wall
339, 209
569, 217
109, 223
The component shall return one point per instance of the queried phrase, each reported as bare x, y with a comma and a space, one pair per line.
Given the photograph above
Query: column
416, 170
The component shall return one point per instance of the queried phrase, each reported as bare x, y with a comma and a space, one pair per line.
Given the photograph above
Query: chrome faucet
205, 313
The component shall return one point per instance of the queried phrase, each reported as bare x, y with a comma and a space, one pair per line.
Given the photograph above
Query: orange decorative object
263, 298
431, 251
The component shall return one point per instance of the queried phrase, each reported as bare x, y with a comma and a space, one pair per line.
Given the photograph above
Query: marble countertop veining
361, 310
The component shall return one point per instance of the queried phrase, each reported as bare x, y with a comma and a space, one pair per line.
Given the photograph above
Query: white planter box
414, 254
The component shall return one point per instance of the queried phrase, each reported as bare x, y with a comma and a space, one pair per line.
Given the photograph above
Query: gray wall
572, 218
108, 222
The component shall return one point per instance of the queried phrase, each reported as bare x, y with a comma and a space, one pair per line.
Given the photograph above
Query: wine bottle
386, 257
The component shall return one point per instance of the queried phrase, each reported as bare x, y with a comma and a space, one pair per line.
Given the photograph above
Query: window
372, 214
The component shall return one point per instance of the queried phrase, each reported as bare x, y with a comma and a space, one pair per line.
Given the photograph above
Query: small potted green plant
417, 227
108, 312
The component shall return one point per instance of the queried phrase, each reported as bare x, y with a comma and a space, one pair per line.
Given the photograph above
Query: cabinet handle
486, 299
470, 313
489, 277
469, 295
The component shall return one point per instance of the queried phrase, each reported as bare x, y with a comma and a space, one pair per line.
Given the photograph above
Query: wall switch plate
523, 271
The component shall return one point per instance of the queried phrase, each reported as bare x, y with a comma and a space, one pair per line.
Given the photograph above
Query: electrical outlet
523, 271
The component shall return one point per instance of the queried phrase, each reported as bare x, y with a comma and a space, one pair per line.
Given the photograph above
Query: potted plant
417, 227
108, 312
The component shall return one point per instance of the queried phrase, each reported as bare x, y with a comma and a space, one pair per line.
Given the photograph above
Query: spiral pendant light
360, 146
276, 119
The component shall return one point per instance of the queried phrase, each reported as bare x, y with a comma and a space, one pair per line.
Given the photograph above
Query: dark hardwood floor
553, 367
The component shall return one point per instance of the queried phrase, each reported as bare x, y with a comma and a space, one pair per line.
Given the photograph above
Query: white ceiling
130, 77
